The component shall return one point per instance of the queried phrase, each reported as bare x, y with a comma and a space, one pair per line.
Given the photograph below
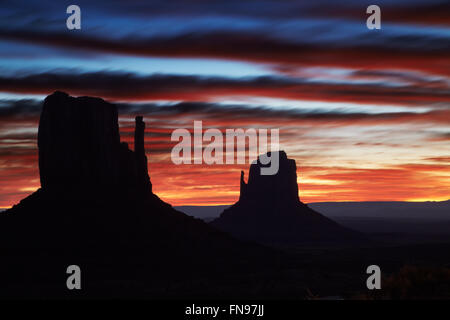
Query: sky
365, 113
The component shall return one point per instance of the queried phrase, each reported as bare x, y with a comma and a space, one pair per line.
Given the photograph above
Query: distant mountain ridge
385, 209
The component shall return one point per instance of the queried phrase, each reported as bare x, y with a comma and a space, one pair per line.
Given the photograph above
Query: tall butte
79, 147
269, 210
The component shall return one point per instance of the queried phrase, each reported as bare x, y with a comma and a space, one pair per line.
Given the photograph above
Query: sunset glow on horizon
365, 114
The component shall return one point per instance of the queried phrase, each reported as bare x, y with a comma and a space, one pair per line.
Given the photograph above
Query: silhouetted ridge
270, 211
95, 191
96, 209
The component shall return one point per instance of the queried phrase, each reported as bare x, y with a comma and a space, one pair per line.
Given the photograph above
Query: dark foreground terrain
409, 271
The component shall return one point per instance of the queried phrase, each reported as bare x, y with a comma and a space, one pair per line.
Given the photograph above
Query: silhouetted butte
270, 211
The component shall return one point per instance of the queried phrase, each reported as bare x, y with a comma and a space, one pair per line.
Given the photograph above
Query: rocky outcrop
270, 211
78, 142
280, 187
79, 146
142, 178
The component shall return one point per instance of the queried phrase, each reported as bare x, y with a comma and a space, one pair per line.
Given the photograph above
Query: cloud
222, 115
405, 182
439, 159
427, 53
439, 137
131, 87
21, 108
431, 12
422, 13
